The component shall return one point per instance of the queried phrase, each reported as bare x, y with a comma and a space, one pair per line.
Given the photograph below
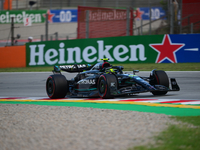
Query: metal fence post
116, 4
42, 38
141, 27
56, 35
180, 16
87, 24
188, 24
37, 4
191, 27
61, 4
84, 3
46, 27
150, 17
27, 2
1, 4
127, 22
171, 18
17, 4
12, 31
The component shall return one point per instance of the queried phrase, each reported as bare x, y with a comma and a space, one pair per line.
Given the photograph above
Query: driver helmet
105, 65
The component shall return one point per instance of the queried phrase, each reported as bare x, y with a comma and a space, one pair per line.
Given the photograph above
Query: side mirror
135, 71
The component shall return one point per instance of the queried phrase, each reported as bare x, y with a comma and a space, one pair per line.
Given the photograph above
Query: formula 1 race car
105, 81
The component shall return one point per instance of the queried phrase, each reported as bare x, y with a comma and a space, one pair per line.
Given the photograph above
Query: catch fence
144, 18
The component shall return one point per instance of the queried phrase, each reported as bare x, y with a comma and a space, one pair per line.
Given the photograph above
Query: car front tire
104, 84
159, 77
56, 86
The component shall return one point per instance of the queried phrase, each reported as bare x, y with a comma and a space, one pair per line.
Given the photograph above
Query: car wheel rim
102, 87
50, 87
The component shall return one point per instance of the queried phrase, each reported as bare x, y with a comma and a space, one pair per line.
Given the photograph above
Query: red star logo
166, 50
50, 16
138, 13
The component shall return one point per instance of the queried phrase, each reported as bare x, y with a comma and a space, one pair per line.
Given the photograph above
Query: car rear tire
104, 84
159, 77
56, 86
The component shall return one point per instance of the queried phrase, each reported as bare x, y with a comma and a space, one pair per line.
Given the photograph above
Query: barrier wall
177, 48
13, 57
104, 22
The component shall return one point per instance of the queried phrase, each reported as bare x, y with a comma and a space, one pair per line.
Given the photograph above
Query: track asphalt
29, 88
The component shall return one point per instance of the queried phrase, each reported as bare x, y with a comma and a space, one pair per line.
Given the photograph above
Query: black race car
105, 81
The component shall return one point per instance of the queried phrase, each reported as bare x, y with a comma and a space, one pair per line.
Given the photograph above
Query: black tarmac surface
32, 84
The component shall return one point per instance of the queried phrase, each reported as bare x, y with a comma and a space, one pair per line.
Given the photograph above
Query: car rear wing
73, 68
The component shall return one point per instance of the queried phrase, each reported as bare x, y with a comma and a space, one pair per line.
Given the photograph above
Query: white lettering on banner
121, 53
40, 55
155, 13
117, 53
31, 16
134, 52
62, 16
18, 17
105, 52
65, 16
49, 55
86, 54
24, 14
13, 15
68, 16
7, 17
62, 54
38, 18
77, 51
2, 17
95, 15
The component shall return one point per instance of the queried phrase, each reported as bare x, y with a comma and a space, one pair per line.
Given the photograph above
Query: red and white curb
162, 101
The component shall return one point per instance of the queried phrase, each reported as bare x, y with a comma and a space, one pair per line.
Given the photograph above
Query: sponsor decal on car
87, 81
72, 66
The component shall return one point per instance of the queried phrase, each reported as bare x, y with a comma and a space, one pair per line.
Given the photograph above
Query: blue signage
144, 13
177, 48
64, 15
190, 52
71, 15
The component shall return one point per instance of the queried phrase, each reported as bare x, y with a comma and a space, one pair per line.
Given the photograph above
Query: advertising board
37, 16
127, 49
144, 13
64, 15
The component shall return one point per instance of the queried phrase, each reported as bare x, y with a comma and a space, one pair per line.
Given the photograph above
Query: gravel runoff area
36, 127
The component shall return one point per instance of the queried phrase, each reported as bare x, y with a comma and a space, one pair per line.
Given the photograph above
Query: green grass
127, 67
177, 137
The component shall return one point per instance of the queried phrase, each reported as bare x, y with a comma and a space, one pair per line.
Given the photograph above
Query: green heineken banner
37, 16
127, 49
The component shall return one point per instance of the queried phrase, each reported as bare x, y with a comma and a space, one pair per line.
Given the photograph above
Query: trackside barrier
180, 48
169, 48
13, 57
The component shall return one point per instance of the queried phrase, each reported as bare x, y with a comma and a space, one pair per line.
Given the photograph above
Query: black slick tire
104, 84
56, 86
159, 77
